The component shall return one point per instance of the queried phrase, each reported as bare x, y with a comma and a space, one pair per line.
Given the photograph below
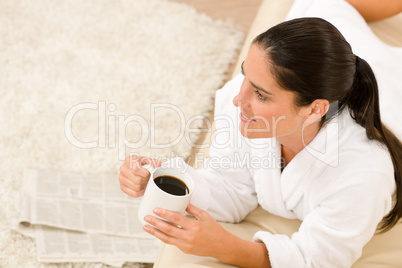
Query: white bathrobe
340, 185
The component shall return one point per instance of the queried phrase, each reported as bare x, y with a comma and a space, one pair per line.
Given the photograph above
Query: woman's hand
133, 176
205, 237
201, 236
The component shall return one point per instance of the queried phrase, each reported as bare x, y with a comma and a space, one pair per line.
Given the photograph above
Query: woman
306, 101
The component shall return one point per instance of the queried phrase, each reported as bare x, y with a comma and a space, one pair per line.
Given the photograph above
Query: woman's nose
236, 100
240, 99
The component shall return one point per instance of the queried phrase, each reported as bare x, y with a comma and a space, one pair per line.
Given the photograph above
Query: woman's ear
316, 110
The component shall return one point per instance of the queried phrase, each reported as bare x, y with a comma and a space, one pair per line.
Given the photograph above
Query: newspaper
82, 218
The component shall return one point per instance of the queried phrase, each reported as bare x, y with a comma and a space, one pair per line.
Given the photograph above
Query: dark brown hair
311, 58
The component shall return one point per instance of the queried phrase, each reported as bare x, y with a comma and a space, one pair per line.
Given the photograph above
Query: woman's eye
259, 95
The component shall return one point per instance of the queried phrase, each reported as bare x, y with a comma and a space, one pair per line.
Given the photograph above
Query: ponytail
363, 103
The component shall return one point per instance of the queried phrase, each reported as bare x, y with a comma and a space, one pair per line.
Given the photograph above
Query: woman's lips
246, 119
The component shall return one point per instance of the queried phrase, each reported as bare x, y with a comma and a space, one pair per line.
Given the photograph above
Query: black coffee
171, 185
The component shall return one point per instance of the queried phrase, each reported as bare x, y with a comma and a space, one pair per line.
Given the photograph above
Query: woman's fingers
200, 237
162, 236
181, 220
172, 217
198, 213
149, 161
132, 180
167, 228
133, 177
132, 193
134, 166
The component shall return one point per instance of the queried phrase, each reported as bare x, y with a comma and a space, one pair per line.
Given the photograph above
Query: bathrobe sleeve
224, 186
345, 211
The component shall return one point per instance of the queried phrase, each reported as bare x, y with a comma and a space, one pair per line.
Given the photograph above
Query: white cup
156, 197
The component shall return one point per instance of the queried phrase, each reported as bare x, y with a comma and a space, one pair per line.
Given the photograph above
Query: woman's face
266, 110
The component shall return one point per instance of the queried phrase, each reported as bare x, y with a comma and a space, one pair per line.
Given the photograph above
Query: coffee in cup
171, 185
167, 188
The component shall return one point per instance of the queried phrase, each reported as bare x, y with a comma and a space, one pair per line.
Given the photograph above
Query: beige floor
241, 11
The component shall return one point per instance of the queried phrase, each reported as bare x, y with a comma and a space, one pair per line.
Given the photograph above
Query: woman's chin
254, 133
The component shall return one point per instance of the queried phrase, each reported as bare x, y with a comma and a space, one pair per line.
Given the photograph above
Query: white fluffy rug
128, 76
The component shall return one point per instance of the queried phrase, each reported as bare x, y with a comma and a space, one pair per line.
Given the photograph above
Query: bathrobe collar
321, 153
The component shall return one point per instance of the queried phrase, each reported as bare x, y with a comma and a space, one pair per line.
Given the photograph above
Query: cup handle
150, 168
